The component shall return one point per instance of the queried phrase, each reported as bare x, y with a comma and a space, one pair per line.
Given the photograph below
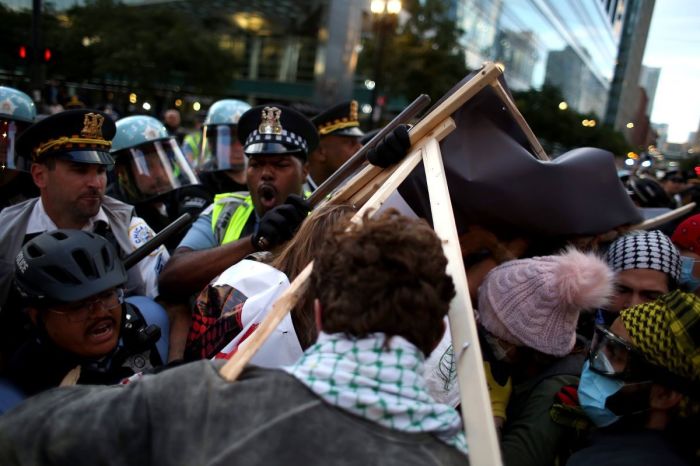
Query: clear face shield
9, 130
221, 150
152, 169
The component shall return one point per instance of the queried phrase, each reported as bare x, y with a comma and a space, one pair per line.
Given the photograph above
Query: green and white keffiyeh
380, 381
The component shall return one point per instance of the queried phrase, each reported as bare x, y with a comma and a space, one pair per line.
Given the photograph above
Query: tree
424, 56
146, 46
563, 129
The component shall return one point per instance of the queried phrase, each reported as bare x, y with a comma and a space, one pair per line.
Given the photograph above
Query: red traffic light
697, 171
22, 52
47, 55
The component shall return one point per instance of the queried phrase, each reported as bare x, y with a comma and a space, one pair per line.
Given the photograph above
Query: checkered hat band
667, 332
645, 250
286, 137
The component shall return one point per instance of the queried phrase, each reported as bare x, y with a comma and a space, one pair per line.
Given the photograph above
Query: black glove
280, 223
192, 199
391, 149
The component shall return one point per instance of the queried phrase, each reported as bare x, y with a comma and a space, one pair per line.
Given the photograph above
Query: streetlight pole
35, 53
385, 12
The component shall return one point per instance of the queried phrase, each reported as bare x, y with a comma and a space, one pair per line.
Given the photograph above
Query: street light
385, 12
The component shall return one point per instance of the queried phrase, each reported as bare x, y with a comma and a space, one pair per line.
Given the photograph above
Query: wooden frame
368, 190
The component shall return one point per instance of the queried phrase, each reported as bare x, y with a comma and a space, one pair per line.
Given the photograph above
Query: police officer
277, 140
340, 133
221, 165
17, 112
82, 322
69, 154
152, 174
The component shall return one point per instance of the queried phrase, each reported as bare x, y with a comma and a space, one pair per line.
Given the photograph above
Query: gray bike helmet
67, 266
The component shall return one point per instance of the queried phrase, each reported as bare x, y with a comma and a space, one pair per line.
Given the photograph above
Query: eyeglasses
81, 310
612, 356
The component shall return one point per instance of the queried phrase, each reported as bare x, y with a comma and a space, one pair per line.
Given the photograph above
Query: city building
623, 101
292, 51
649, 80
566, 43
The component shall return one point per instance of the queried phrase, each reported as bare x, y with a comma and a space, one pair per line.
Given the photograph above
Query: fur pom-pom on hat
536, 302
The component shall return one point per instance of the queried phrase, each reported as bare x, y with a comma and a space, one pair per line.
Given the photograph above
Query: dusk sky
674, 46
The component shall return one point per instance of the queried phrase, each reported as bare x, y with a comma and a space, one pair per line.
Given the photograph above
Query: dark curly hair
387, 275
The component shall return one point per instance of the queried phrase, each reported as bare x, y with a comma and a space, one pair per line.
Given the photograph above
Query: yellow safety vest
230, 214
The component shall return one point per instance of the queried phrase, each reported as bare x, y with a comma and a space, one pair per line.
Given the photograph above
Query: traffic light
47, 55
22, 52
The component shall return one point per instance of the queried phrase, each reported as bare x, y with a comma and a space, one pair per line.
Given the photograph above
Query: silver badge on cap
270, 123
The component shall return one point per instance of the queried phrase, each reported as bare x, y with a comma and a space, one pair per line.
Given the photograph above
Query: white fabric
262, 285
440, 371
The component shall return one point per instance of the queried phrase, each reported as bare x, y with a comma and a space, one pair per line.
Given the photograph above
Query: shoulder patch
140, 233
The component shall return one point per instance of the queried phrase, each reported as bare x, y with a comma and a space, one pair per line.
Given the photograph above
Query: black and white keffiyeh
645, 250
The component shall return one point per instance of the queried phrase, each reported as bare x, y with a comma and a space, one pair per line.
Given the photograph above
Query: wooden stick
510, 105
233, 367
351, 165
357, 194
663, 218
489, 73
479, 425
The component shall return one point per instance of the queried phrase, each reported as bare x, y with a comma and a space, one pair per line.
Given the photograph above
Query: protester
640, 385
686, 237
528, 311
340, 133
71, 284
646, 264
17, 112
355, 397
232, 305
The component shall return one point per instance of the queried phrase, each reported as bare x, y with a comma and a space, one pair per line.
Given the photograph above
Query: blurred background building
305, 52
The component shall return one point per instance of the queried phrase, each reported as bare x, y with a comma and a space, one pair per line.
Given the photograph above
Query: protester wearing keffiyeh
379, 379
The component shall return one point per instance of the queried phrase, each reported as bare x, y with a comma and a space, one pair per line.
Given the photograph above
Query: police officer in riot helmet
152, 174
222, 162
17, 112
71, 284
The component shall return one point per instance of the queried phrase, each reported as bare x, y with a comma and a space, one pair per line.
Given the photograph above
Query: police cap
339, 120
276, 130
80, 135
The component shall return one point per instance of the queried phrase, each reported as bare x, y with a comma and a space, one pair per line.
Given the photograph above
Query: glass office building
306, 50
571, 44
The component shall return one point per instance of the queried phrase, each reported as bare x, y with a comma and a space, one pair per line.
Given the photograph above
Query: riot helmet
17, 113
221, 149
65, 266
148, 161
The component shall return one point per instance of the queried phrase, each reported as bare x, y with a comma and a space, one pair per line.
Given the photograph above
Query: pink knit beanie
536, 302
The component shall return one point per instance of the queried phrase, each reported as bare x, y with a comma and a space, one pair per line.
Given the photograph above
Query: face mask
687, 279
593, 393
